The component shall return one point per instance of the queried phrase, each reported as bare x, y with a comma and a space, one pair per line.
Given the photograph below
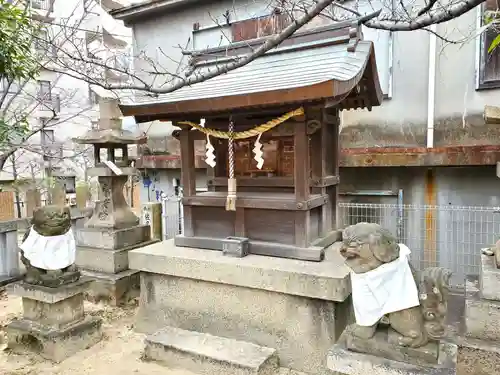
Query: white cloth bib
384, 290
50, 253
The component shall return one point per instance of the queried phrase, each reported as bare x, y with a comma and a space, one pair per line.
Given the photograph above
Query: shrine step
207, 355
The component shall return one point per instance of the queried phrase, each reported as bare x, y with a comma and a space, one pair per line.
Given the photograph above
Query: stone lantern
103, 243
112, 170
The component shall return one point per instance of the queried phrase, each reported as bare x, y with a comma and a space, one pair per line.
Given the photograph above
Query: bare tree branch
427, 19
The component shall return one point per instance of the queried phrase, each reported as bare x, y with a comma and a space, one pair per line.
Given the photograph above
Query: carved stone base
112, 211
51, 279
380, 355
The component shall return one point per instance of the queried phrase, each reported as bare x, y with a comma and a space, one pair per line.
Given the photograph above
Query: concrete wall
458, 107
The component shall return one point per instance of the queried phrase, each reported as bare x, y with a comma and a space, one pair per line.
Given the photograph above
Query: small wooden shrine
271, 129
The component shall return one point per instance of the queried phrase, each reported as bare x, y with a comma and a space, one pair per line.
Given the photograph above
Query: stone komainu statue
49, 222
366, 247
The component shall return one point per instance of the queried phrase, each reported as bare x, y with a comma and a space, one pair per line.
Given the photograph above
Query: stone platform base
477, 357
297, 307
345, 361
207, 355
55, 345
115, 289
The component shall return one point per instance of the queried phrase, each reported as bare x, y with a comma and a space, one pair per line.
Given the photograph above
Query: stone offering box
53, 322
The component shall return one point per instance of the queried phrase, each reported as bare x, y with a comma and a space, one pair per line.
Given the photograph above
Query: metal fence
172, 216
444, 236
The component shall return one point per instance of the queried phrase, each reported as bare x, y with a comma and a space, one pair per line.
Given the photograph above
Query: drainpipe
431, 101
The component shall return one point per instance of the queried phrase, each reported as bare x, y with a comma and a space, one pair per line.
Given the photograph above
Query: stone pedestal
296, 307
53, 323
480, 346
349, 356
102, 254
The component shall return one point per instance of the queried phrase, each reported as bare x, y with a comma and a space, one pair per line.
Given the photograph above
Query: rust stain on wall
430, 251
420, 156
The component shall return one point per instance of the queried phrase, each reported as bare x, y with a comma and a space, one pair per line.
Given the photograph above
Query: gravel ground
118, 353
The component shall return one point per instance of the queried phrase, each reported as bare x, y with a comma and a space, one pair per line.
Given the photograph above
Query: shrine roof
340, 70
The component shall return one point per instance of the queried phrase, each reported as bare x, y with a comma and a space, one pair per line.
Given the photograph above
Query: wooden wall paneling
239, 223
221, 154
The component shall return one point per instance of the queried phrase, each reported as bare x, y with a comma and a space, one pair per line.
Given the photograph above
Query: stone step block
481, 317
207, 355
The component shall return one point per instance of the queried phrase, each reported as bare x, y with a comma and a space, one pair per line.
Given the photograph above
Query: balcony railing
41, 4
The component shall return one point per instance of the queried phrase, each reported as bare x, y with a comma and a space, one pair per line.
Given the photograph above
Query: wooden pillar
301, 162
188, 177
320, 149
301, 177
331, 121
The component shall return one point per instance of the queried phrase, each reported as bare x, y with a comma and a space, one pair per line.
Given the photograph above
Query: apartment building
63, 105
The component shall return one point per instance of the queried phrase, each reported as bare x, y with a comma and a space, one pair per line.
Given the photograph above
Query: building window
44, 89
489, 63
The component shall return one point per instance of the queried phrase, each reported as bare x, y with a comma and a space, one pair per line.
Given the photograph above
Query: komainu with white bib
387, 290
48, 248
